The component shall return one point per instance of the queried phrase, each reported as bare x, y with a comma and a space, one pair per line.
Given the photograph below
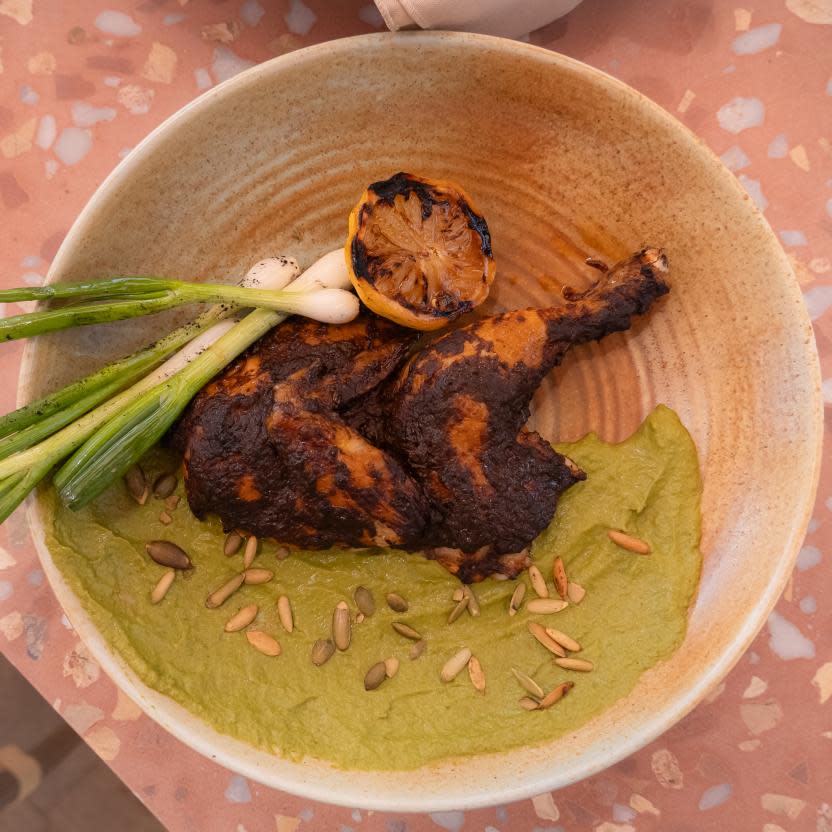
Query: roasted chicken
321, 436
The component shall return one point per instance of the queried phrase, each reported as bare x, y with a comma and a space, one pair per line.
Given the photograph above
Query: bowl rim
391, 801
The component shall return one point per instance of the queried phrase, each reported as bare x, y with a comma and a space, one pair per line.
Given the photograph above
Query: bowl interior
565, 163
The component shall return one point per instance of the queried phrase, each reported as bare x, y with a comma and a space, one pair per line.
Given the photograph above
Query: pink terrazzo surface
83, 82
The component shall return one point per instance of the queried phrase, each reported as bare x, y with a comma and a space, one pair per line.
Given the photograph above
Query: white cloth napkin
509, 18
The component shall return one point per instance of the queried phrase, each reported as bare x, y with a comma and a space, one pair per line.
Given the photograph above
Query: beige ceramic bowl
565, 162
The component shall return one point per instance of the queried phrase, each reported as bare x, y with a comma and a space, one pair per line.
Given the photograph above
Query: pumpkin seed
172, 502
166, 553
473, 602
258, 576
233, 542
476, 674
375, 676
528, 704
397, 603
581, 665
322, 651
417, 649
341, 625
250, 551
263, 642
452, 668
391, 666
136, 484
406, 630
162, 586
546, 606
561, 581
364, 600
575, 592
284, 613
164, 485
516, 598
241, 619
528, 683
628, 542
220, 595
545, 639
538, 582
165, 519
458, 610
556, 694
565, 641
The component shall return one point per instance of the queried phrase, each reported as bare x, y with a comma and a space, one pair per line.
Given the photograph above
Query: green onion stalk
106, 441
129, 297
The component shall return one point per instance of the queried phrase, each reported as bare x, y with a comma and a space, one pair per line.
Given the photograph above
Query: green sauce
634, 615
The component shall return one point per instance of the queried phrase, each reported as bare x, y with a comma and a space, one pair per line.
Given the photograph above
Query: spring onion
108, 453
21, 471
129, 297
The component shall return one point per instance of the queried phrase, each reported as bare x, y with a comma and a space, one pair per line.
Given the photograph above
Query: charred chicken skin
320, 436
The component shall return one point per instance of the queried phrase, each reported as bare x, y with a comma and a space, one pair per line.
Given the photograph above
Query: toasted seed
241, 619
364, 600
263, 642
375, 676
391, 666
282, 553
561, 581
284, 613
165, 519
499, 576
258, 576
417, 649
172, 502
221, 594
341, 625
556, 694
454, 665
517, 598
575, 592
164, 485
528, 704
473, 602
233, 542
166, 553
538, 582
565, 641
581, 665
136, 484
546, 606
476, 674
459, 594
528, 683
162, 586
628, 542
397, 603
458, 610
406, 630
360, 618
250, 551
322, 651
545, 639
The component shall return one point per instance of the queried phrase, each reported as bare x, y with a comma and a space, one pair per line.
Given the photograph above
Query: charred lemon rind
443, 240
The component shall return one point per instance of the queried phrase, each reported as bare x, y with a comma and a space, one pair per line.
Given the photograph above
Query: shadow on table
76, 792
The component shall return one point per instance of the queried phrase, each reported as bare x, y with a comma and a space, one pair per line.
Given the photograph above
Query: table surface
83, 82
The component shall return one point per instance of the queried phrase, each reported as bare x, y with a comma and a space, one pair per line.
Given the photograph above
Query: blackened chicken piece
265, 449
455, 414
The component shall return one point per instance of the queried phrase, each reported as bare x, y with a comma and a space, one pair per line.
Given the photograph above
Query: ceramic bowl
565, 162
